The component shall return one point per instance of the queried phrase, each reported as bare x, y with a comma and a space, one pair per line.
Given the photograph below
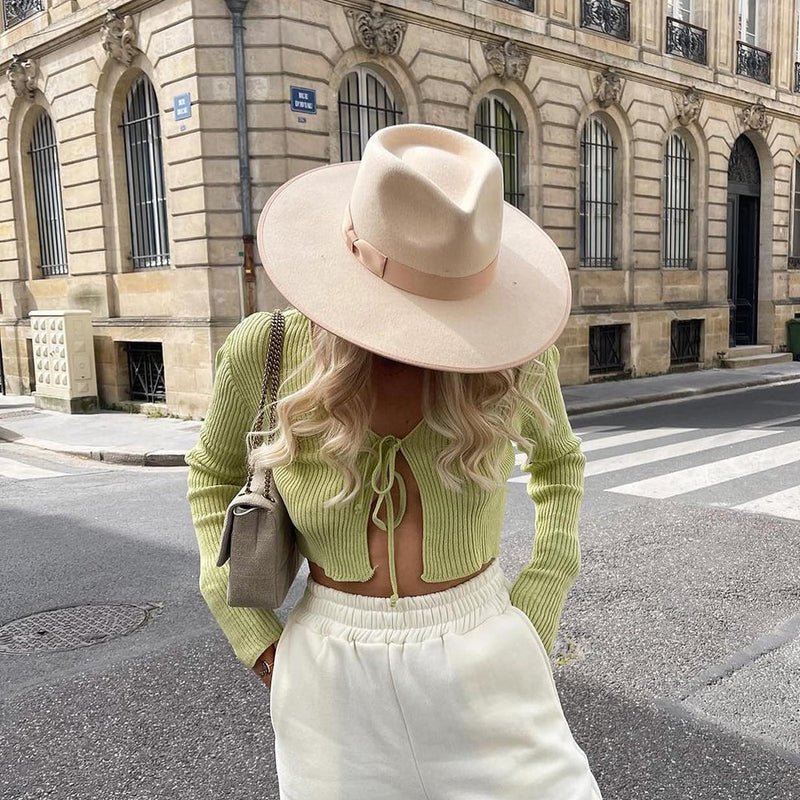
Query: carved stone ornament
607, 88
22, 74
119, 37
755, 117
506, 60
375, 31
688, 105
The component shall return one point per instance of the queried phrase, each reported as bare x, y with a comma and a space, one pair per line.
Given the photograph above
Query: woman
419, 348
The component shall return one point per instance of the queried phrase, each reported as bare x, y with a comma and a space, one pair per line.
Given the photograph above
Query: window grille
685, 339
145, 177
2, 373
496, 127
15, 11
605, 349
146, 371
598, 204
794, 255
677, 203
365, 106
47, 198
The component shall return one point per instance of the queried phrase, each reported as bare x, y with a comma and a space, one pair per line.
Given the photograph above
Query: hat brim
518, 316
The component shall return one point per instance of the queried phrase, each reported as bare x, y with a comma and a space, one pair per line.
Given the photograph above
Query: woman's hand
269, 656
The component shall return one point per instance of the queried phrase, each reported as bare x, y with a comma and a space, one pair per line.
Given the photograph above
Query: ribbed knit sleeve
217, 471
556, 486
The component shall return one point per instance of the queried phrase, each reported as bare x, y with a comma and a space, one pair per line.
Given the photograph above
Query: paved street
678, 660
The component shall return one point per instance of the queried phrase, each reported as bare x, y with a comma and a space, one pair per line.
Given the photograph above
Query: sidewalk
120, 438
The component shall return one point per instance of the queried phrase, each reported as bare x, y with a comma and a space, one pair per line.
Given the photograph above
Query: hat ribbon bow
437, 287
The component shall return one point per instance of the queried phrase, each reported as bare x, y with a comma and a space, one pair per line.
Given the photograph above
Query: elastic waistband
359, 617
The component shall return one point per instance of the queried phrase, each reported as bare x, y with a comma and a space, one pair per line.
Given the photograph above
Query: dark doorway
744, 211
2, 374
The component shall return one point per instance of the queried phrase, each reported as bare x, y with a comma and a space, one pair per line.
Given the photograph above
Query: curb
577, 408
174, 458
152, 458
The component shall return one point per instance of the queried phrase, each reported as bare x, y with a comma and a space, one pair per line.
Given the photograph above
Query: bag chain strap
269, 385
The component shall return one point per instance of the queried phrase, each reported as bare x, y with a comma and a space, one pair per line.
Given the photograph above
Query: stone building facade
657, 143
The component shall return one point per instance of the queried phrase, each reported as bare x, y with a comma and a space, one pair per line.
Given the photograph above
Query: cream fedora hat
412, 253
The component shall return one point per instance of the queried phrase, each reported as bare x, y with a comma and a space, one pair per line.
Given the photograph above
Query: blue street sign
182, 105
304, 101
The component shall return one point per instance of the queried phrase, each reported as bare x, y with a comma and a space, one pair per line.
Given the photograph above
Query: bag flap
243, 503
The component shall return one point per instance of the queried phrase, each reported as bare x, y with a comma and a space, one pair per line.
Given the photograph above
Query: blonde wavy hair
472, 411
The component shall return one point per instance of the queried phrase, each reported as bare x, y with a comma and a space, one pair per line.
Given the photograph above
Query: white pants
447, 696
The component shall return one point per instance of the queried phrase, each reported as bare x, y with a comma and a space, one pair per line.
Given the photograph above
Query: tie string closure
383, 478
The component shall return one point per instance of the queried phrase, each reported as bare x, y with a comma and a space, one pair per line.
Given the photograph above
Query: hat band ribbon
437, 287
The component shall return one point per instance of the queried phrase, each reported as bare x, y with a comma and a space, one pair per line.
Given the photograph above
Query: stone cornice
78, 25
779, 102
543, 45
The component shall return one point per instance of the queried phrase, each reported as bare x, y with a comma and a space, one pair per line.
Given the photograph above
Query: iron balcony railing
15, 11
797, 76
685, 40
753, 62
612, 17
685, 339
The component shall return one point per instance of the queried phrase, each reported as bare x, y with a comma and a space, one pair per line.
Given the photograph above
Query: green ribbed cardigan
462, 529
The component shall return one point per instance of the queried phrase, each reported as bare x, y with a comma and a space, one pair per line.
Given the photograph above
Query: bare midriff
399, 407
408, 552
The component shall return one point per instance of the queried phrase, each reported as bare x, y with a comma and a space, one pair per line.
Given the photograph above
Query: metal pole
246, 273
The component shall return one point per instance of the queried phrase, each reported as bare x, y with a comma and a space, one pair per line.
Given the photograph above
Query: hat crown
430, 198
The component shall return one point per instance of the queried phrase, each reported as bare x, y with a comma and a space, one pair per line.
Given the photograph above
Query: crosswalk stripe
632, 437
24, 472
728, 469
784, 504
590, 429
627, 460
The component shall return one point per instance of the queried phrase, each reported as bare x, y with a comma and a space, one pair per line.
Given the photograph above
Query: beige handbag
258, 535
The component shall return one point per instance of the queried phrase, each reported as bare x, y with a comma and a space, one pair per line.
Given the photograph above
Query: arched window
597, 195
144, 165
366, 105
496, 127
677, 203
47, 198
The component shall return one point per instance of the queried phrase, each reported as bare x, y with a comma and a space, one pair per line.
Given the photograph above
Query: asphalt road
677, 663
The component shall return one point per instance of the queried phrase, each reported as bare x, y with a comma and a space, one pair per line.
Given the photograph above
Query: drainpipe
247, 276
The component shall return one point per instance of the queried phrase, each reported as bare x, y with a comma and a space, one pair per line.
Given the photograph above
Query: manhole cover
72, 627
